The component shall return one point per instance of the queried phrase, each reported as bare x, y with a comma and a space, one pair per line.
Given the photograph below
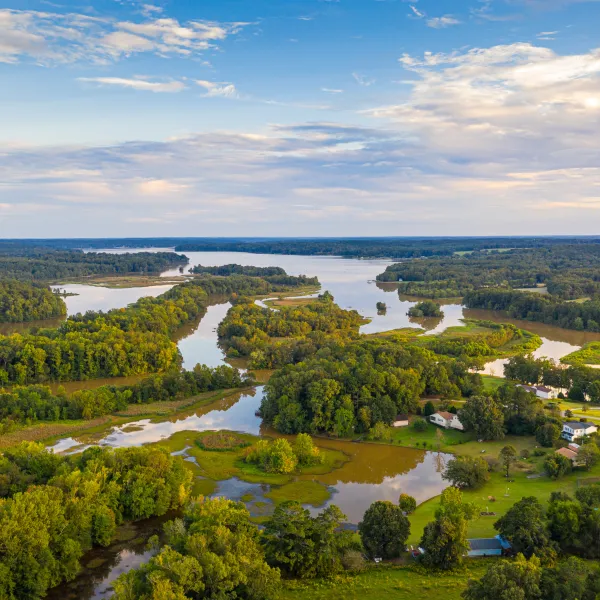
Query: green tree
508, 456
214, 552
508, 580
306, 452
557, 466
429, 408
467, 472
303, 546
588, 455
445, 539
407, 503
384, 530
567, 581
547, 434
484, 416
524, 527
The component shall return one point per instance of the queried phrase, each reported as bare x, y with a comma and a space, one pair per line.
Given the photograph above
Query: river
373, 472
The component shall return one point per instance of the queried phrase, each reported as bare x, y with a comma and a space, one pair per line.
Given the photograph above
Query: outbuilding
496, 546
401, 421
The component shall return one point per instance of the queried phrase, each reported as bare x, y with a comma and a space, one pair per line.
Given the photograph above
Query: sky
299, 118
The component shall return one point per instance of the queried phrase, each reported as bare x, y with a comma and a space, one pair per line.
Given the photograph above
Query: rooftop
495, 543
447, 415
578, 425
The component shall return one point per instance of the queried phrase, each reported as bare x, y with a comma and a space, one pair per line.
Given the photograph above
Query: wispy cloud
332, 91
363, 80
442, 22
215, 89
50, 38
416, 12
138, 83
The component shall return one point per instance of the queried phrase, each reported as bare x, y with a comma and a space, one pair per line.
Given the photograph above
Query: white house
575, 430
447, 420
401, 421
541, 391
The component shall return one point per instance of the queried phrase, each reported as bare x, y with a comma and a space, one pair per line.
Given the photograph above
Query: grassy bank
588, 355
407, 582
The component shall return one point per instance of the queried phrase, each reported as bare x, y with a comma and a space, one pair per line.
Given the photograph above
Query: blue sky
299, 117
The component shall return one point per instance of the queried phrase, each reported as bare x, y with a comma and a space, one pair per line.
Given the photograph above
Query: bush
407, 503
539, 452
380, 432
306, 452
273, 457
353, 560
547, 435
525, 453
420, 425
557, 466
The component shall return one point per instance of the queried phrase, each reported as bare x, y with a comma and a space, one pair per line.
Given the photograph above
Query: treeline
29, 404
127, 341
34, 263
569, 271
581, 316
581, 382
406, 247
53, 509
348, 388
249, 329
274, 275
24, 302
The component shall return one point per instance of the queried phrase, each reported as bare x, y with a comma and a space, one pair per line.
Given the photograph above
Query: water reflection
92, 297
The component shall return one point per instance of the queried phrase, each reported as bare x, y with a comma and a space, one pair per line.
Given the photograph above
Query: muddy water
374, 472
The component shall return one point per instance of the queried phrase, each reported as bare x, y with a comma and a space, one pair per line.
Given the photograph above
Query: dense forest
53, 508
126, 341
351, 387
21, 302
582, 316
33, 263
251, 330
274, 275
568, 271
29, 404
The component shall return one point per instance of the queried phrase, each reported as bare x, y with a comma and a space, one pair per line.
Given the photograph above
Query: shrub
273, 457
429, 409
420, 425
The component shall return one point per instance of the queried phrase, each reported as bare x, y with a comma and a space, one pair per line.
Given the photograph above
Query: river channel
373, 472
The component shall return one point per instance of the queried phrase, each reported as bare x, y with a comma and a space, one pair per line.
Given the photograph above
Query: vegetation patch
305, 492
221, 441
588, 355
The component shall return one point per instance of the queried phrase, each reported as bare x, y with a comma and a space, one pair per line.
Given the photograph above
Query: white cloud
138, 83
50, 38
214, 89
362, 80
442, 22
332, 91
416, 12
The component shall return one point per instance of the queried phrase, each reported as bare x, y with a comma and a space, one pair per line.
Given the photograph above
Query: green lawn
492, 383
433, 436
498, 487
388, 582
305, 492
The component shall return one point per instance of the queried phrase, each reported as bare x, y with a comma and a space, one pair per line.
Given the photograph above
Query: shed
401, 421
496, 546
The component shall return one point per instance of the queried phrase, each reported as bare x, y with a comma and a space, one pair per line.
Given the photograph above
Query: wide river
374, 472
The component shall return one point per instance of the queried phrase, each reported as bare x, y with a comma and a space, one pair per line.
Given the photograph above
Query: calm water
373, 472
352, 282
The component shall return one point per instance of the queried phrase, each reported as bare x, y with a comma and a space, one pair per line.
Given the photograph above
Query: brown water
373, 472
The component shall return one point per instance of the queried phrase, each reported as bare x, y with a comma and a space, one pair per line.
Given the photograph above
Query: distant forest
33, 263
389, 247
569, 271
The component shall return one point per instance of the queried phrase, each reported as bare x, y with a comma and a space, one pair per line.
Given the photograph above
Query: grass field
388, 582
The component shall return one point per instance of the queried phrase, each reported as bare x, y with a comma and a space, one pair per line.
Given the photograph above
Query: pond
372, 472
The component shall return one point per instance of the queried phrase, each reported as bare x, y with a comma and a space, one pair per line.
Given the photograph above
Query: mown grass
407, 582
506, 493
433, 436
